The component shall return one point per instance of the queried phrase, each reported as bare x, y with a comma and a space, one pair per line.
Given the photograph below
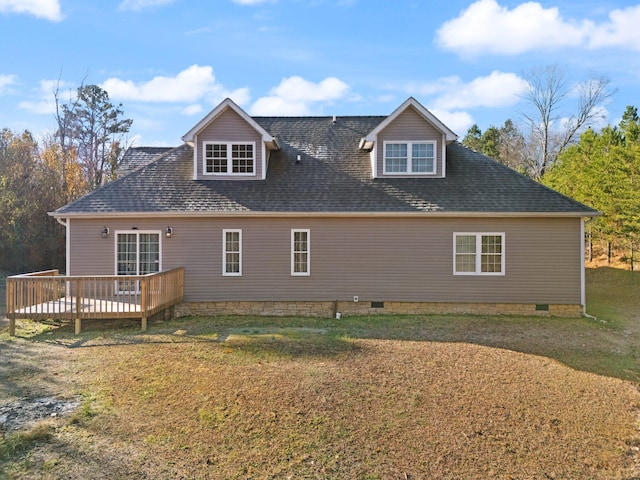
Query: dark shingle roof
136, 157
333, 176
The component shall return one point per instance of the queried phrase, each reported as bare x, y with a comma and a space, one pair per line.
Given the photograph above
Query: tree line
39, 176
559, 148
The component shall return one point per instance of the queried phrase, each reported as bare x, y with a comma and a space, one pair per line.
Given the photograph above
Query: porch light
168, 232
105, 232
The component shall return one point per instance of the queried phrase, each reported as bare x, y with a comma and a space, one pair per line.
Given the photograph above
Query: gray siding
229, 127
409, 126
377, 259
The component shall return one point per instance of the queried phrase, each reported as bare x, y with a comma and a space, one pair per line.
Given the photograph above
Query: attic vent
334, 119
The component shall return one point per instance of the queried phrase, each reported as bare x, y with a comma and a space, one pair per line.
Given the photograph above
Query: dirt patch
25, 413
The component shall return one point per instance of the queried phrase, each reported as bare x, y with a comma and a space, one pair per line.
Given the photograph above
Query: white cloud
451, 96
191, 85
46, 103
456, 121
487, 27
498, 89
5, 82
622, 30
137, 5
296, 96
192, 109
47, 9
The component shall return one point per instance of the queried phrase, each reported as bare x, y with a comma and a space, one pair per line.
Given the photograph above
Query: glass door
138, 253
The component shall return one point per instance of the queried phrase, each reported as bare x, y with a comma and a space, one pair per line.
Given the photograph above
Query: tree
92, 128
629, 125
550, 128
29, 238
505, 144
473, 138
603, 170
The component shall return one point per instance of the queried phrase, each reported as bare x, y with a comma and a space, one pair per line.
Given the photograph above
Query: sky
170, 62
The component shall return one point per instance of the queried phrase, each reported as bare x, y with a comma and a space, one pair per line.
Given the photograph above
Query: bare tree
550, 128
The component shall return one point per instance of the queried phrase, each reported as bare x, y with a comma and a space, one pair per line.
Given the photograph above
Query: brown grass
388, 398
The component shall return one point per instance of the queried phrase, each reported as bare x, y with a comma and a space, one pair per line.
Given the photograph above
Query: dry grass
388, 398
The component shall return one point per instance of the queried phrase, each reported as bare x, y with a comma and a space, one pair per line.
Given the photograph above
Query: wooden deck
48, 295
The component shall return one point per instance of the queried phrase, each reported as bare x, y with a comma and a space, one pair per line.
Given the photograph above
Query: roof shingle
334, 176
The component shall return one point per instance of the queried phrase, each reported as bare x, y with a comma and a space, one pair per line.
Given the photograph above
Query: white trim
195, 160
583, 294
68, 247
308, 252
191, 135
224, 252
229, 172
426, 114
409, 144
444, 157
137, 232
478, 253
374, 160
386, 214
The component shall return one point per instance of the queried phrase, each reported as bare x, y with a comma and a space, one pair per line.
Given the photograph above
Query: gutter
307, 214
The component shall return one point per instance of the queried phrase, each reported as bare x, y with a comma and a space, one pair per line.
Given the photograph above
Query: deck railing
47, 295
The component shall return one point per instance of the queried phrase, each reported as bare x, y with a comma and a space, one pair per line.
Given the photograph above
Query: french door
137, 253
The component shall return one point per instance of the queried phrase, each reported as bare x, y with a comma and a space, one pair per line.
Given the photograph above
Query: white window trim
409, 144
138, 233
229, 171
224, 253
293, 253
478, 254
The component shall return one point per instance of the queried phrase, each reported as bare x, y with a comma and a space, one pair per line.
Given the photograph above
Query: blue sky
169, 62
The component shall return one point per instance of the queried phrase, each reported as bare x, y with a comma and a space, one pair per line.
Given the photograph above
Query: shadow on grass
607, 346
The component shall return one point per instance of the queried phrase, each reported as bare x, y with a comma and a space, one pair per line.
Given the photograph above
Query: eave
269, 140
254, 214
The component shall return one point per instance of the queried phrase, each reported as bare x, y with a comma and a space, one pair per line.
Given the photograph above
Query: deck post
79, 287
143, 303
10, 304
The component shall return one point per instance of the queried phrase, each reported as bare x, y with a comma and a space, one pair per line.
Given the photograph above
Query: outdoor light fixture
105, 232
168, 232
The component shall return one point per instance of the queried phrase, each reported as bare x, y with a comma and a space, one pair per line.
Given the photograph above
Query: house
320, 215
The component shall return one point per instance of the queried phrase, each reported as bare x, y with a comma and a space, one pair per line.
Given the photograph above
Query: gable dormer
229, 145
411, 142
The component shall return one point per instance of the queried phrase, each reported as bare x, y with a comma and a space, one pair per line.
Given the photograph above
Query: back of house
319, 215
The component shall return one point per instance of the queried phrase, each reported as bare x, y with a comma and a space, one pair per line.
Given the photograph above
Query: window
300, 252
409, 157
232, 252
229, 158
478, 253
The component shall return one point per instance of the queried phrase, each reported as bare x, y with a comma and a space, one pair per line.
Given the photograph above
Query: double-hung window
478, 253
300, 252
232, 253
409, 158
228, 158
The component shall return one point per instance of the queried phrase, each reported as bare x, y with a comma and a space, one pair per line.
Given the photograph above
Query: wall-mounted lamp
168, 232
105, 232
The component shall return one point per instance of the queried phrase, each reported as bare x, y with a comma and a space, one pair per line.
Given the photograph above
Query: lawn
406, 397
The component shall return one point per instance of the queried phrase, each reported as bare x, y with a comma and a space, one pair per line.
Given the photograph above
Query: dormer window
409, 158
227, 158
